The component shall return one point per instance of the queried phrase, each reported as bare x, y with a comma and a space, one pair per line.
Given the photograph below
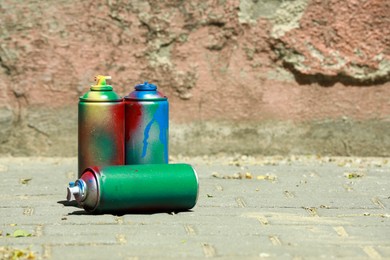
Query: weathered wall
249, 76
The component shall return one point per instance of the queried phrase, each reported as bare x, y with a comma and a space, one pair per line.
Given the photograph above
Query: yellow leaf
25, 181
21, 233
30, 255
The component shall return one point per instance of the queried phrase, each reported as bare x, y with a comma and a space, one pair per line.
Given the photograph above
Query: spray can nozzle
76, 190
72, 193
101, 83
101, 80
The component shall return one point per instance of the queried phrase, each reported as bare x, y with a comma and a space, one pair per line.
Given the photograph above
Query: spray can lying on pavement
152, 187
101, 127
146, 127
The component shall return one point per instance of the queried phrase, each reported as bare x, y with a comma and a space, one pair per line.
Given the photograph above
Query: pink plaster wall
217, 60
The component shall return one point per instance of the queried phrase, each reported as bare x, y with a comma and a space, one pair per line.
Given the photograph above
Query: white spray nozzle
72, 192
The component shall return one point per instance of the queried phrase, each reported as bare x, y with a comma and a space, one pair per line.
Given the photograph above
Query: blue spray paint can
146, 126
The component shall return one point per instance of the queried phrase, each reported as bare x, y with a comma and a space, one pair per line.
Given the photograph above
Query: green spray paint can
127, 188
100, 127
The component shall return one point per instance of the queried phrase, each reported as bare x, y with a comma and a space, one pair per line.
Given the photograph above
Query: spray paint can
152, 187
100, 127
146, 126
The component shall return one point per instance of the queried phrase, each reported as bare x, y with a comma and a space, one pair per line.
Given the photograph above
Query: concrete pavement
249, 207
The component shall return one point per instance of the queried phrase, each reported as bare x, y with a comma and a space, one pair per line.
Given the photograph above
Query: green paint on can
100, 127
147, 187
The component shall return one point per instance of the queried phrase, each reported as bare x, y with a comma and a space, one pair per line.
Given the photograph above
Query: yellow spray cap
101, 83
101, 91
101, 80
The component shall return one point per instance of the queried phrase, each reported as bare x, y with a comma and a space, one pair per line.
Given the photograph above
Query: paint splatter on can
100, 127
146, 127
153, 187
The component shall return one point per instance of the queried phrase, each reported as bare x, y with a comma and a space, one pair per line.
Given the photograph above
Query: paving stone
298, 207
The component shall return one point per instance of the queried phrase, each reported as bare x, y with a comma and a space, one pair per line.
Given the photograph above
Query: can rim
94, 171
96, 100
197, 182
146, 96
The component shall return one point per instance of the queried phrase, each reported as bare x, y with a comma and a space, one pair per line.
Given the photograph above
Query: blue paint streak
162, 121
146, 136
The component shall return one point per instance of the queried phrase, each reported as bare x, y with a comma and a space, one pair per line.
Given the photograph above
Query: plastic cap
145, 91
146, 86
101, 92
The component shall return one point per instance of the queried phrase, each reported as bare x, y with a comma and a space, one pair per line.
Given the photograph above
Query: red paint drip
118, 114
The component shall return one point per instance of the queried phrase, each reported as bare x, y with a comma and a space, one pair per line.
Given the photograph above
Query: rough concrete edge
342, 137
54, 133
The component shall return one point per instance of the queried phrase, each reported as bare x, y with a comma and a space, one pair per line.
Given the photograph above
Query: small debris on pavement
353, 175
244, 175
240, 175
267, 177
14, 253
25, 181
21, 233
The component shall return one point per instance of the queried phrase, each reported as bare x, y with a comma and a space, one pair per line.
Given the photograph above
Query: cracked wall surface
335, 38
310, 67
